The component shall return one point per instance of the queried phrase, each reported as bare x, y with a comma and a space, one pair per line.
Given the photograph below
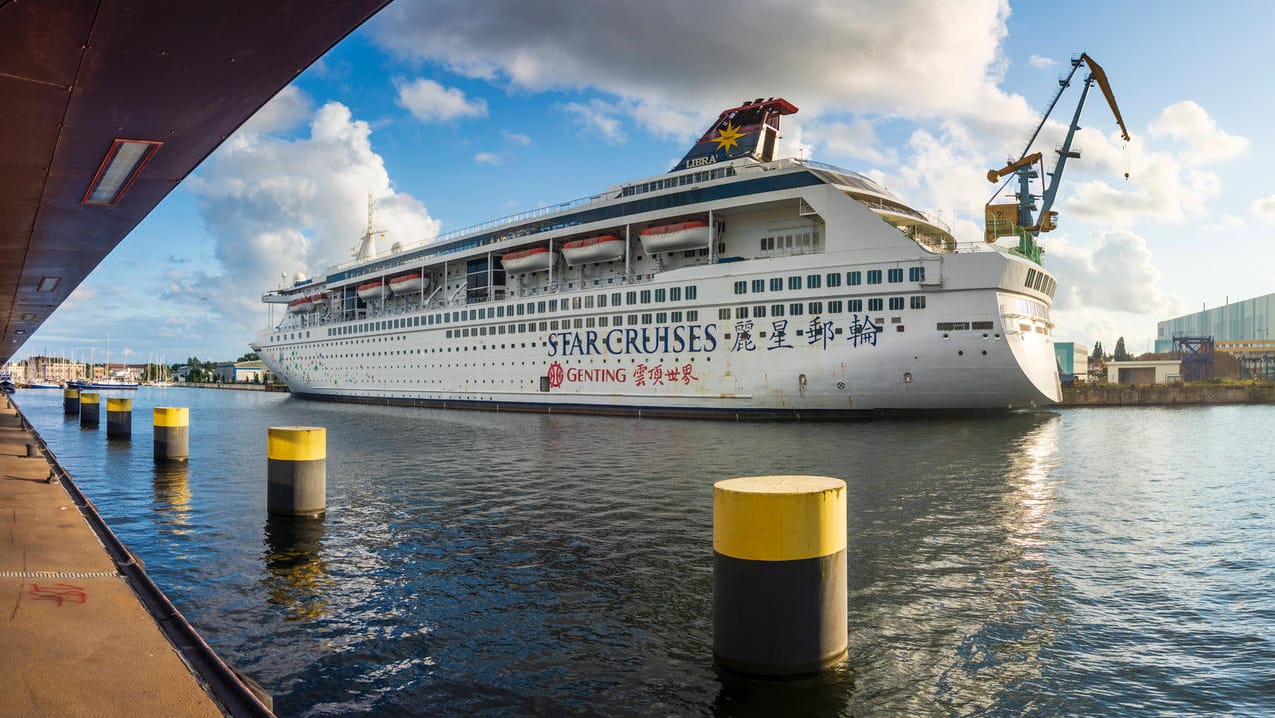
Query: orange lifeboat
675, 237
409, 283
605, 248
310, 303
372, 290
536, 259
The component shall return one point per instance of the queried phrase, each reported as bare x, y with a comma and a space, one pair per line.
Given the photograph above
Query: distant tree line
1100, 357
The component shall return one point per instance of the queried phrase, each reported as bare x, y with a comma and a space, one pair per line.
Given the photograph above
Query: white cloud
513, 138
487, 158
286, 111
911, 57
1043, 63
1114, 272
429, 101
1225, 223
1206, 143
1264, 208
856, 139
274, 205
1108, 288
597, 117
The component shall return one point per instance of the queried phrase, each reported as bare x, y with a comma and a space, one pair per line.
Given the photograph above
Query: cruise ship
737, 285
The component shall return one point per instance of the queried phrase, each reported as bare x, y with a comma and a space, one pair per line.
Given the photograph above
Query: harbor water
1114, 561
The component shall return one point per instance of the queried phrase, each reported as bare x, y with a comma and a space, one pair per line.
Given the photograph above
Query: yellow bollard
172, 433
779, 574
90, 409
119, 418
297, 464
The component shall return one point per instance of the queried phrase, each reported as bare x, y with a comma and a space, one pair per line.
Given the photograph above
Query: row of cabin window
833, 306
1040, 282
578, 323
645, 296
832, 279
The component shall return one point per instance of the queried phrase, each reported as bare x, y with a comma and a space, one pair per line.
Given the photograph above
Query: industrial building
1244, 325
1242, 329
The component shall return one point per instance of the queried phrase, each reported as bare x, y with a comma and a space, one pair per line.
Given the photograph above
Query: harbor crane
1020, 218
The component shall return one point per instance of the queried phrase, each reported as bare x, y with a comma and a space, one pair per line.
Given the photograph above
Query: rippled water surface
1083, 562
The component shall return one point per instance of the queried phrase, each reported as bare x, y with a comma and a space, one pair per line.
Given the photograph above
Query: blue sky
454, 113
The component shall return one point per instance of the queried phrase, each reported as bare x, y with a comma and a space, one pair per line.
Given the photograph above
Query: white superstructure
791, 289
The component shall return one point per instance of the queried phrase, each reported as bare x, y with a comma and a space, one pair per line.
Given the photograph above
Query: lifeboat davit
373, 290
675, 237
409, 283
605, 248
536, 259
318, 301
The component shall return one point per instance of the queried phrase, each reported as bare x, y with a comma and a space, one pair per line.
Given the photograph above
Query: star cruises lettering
691, 338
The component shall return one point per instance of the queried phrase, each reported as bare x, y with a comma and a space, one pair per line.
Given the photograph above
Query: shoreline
1167, 395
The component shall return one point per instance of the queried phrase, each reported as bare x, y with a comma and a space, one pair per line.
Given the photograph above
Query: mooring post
297, 465
172, 433
779, 574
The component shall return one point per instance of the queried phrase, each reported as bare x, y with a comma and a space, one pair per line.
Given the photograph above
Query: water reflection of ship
953, 600
298, 578
171, 492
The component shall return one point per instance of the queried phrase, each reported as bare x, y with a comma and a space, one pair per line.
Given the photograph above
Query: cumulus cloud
279, 205
487, 158
1264, 208
1114, 272
289, 108
1041, 62
599, 118
911, 57
856, 140
1108, 288
1205, 142
429, 101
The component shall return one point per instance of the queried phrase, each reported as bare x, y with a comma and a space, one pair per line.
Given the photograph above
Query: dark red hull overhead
76, 76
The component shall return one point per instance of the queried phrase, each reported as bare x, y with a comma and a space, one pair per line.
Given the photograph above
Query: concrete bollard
172, 433
779, 574
297, 467
90, 408
71, 402
119, 418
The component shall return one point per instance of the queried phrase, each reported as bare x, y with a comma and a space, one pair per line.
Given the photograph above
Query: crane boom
1020, 219
1100, 76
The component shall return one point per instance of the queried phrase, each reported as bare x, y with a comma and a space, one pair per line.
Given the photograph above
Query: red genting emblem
555, 375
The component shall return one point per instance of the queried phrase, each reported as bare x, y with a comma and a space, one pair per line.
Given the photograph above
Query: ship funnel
749, 130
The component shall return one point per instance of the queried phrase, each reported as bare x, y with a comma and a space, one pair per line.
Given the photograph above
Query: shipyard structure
1244, 329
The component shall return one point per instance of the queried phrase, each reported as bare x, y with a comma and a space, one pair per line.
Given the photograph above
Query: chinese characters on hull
861, 331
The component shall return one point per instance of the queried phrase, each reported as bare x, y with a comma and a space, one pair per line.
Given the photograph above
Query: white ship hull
819, 295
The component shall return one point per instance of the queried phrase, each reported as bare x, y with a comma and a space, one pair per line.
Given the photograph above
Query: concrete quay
85, 632
1167, 395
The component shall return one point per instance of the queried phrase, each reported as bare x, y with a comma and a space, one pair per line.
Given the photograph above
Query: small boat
536, 259
109, 384
318, 301
44, 385
373, 290
675, 237
605, 248
408, 283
